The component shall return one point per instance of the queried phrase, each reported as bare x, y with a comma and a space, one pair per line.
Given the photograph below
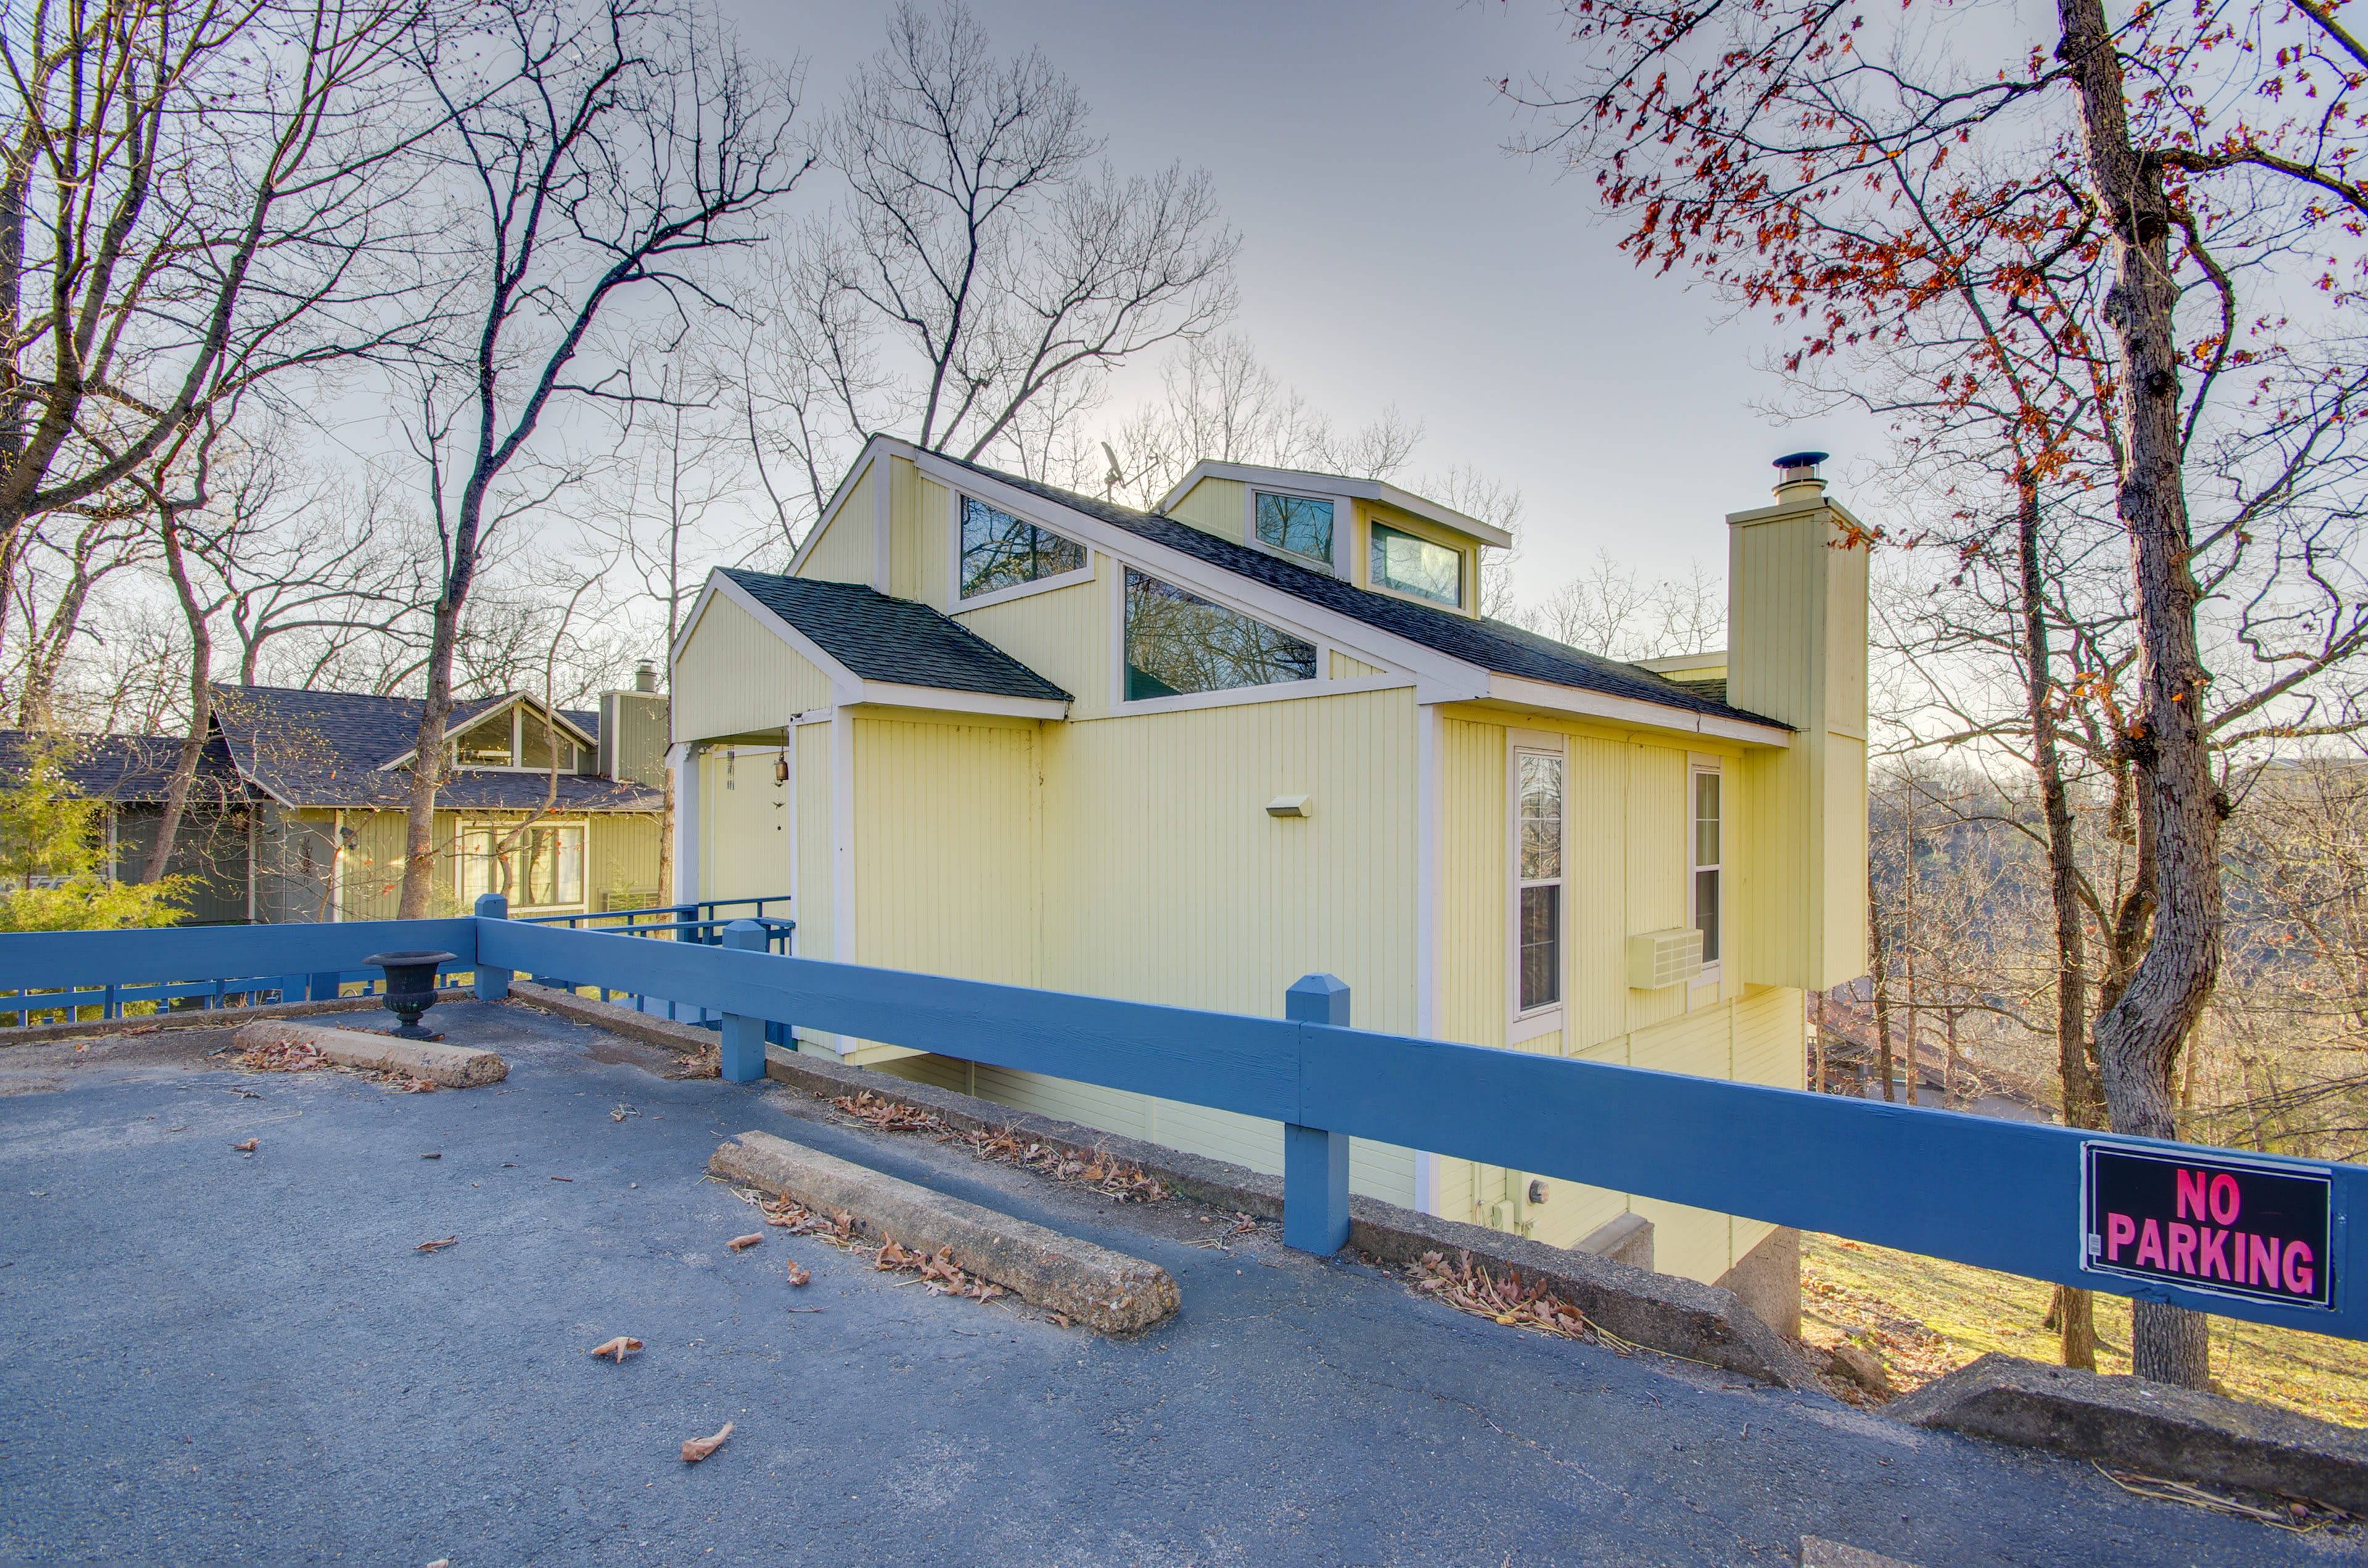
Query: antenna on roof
1114, 478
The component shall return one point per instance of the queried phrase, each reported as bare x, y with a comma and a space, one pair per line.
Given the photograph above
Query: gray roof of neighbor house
331, 748
127, 768
1492, 645
895, 640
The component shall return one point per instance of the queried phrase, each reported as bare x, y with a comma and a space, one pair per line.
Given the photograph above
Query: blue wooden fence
1996, 1194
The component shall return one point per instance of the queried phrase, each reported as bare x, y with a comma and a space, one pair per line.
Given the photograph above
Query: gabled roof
127, 768
1492, 645
334, 748
897, 641
1338, 484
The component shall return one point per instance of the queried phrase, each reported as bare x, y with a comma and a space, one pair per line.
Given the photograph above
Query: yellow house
991, 728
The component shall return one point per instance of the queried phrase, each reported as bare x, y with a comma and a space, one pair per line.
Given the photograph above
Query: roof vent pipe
645, 675
1796, 477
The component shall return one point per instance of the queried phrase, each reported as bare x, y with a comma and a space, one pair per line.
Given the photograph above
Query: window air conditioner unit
1656, 959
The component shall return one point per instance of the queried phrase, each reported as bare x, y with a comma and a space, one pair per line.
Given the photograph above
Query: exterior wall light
1292, 806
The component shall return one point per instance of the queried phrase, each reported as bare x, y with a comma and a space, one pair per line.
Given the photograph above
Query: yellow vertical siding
1473, 847
1169, 883
735, 676
744, 823
811, 802
1602, 828
947, 880
622, 849
844, 554
905, 489
1347, 668
1064, 634
1215, 507
1798, 630
932, 528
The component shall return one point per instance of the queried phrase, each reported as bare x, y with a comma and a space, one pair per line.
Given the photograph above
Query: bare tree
195, 197
600, 153
984, 256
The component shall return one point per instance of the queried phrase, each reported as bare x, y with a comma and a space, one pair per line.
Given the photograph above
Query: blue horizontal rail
1996, 1194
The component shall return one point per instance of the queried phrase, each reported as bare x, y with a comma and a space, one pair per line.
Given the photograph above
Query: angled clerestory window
999, 551
1299, 524
1411, 565
1178, 643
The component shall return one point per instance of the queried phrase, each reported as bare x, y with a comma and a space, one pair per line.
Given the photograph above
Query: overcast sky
1394, 252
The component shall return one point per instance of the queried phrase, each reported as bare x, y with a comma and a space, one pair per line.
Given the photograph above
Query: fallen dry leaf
431, 1246
798, 1276
617, 1346
249, 1147
1506, 1300
742, 1243
696, 1449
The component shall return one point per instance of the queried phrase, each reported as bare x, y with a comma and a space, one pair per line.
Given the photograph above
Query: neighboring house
991, 728
299, 808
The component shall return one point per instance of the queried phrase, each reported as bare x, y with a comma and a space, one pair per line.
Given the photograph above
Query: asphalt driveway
217, 1358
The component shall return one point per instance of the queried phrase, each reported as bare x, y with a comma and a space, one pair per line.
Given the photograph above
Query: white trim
1466, 572
682, 761
513, 705
337, 864
1528, 1024
890, 694
843, 681
842, 835
1712, 972
956, 603
1513, 690
464, 823
883, 518
1363, 489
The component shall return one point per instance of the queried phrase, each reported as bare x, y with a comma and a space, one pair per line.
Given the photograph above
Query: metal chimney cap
645, 675
1802, 459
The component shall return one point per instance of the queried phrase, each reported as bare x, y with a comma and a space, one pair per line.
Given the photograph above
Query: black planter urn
410, 987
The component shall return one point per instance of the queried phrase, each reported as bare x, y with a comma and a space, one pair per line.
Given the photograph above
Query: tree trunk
201, 669
1880, 973
427, 767
2074, 1311
2138, 1038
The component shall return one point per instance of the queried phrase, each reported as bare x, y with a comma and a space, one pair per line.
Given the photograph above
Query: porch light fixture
1292, 806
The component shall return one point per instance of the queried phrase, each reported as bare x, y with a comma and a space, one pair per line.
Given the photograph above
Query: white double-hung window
1538, 797
1707, 852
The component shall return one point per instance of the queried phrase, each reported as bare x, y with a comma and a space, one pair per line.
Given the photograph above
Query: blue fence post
744, 1039
1314, 1162
323, 987
492, 984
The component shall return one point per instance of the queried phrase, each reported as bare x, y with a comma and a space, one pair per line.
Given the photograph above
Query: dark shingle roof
328, 749
895, 640
128, 768
1491, 644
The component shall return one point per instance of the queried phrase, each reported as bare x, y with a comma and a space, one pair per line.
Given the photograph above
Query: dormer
1364, 531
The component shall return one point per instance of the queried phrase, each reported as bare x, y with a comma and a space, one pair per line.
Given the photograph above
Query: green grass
1925, 1317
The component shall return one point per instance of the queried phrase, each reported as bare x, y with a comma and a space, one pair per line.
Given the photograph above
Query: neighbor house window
544, 863
1178, 643
1707, 864
1300, 524
1416, 566
538, 741
999, 551
490, 745
1538, 848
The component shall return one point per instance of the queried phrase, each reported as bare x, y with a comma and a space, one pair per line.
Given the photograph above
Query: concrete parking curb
2178, 1434
199, 1018
1659, 1311
1105, 1290
453, 1066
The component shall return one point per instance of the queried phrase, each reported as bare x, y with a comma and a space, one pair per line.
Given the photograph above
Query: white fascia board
844, 682
454, 727
863, 460
1339, 484
894, 694
1514, 692
1287, 611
